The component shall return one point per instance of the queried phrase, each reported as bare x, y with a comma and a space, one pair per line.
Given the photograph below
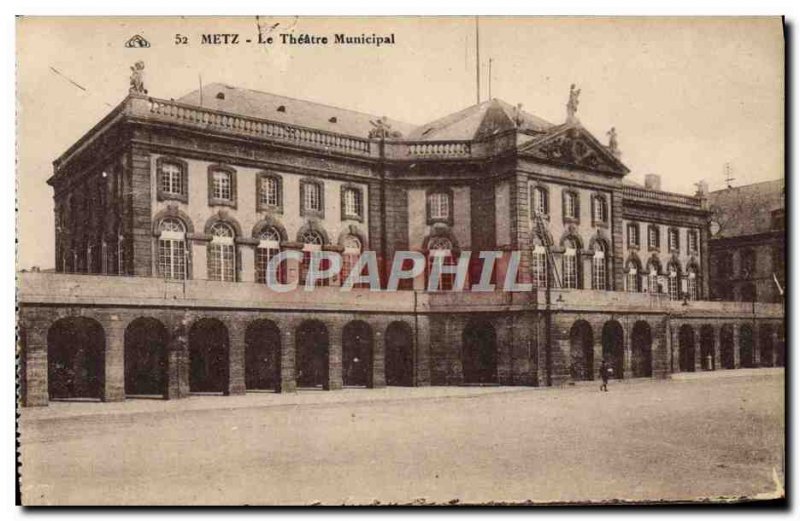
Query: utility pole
477, 62
728, 177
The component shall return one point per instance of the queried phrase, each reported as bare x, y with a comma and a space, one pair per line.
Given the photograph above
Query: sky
686, 95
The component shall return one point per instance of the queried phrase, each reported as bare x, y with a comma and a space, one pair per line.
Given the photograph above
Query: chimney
652, 181
702, 189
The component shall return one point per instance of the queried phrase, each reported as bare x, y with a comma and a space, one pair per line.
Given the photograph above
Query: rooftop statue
382, 130
137, 78
572, 104
613, 145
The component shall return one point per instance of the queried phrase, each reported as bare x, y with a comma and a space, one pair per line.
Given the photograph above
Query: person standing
605, 369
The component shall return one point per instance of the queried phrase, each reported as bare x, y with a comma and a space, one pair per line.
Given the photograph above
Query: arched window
539, 267
269, 245
652, 278
673, 278
312, 241
350, 255
692, 283
632, 279
569, 263
599, 267
222, 253
441, 247
172, 249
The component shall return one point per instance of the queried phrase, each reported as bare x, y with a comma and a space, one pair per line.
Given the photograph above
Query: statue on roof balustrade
572, 104
137, 78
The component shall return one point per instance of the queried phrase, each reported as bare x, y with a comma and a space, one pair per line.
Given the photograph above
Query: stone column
698, 350
35, 393
756, 345
288, 383
505, 344
247, 254
422, 352
717, 347
674, 350
114, 378
334, 382
377, 376
236, 334
627, 358
178, 360
597, 347
737, 359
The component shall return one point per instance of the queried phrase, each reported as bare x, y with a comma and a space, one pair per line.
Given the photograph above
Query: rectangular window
632, 281
571, 205
600, 209
570, 262
673, 286
599, 271
633, 235
222, 185
446, 280
270, 191
352, 202
539, 201
312, 197
652, 238
221, 262
172, 259
539, 267
674, 240
691, 236
652, 282
265, 253
692, 286
439, 205
171, 179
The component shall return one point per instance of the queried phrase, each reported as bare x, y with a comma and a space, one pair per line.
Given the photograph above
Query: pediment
574, 146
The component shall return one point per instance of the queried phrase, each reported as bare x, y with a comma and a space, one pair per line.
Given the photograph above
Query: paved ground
700, 436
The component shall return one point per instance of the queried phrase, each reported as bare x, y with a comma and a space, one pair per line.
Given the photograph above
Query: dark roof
746, 210
479, 121
303, 113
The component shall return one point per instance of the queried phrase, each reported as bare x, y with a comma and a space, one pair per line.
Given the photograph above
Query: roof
479, 121
303, 113
746, 210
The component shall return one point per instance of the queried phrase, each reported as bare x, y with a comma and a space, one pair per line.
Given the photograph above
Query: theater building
167, 213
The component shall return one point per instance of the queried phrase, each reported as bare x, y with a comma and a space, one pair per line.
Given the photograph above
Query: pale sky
685, 95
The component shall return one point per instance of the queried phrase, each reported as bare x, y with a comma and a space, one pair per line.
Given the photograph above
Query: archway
311, 358
399, 355
614, 347
146, 357
686, 348
357, 354
76, 359
479, 353
208, 356
642, 350
766, 346
707, 361
581, 349
746, 346
262, 358
726, 347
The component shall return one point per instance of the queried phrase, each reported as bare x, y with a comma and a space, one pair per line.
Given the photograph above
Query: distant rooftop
748, 209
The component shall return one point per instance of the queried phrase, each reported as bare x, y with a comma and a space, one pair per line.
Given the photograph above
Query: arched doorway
642, 350
399, 355
726, 347
262, 356
707, 348
479, 353
208, 356
746, 346
357, 354
581, 349
614, 347
686, 348
311, 359
146, 357
76, 359
766, 345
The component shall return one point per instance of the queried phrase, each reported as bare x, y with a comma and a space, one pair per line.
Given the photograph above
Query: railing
257, 127
661, 197
440, 149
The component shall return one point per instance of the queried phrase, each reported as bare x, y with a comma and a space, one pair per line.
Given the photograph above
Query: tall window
221, 253
674, 240
600, 209
632, 284
633, 235
269, 245
350, 255
691, 241
312, 197
652, 279
673, 282
312, 241
539, 267
439, 205
171, 178
569, 263
653, 239
571, 205
539, 201
352, 203
221, 188
269, 191
172, 249
441, 247
691, 284
599, 267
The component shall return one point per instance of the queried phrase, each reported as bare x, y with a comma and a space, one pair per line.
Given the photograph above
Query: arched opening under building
399, 357
76, 359
581, 350
357, 354
686, 348
208, 356
766, 346
746, 346
642, 350
707, 348
614, 347
311, 357
146, 357
479, 353
262, 356
726, 347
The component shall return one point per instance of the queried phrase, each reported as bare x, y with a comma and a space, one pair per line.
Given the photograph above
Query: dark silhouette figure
605, 371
